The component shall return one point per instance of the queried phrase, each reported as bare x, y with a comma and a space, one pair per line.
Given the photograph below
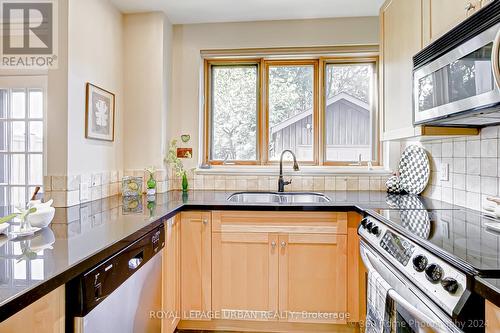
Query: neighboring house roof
331, 100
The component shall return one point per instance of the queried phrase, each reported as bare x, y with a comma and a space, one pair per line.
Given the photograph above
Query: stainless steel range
430, 286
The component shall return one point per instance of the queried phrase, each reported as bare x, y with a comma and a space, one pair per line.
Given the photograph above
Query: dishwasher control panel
99, 282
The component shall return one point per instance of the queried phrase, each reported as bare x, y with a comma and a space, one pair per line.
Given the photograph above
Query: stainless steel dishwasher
119, 294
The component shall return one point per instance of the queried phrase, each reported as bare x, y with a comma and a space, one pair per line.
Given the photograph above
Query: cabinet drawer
279, 222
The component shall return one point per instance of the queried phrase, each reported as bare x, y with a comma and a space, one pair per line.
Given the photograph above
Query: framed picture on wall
99, 114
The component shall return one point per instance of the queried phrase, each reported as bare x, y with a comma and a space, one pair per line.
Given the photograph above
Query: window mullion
26, 145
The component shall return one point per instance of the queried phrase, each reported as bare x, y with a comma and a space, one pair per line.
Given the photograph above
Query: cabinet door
401, 29
46, 315
442, 15
196, 265
313, 277
356, 272
171, 276
492, 317
245, 275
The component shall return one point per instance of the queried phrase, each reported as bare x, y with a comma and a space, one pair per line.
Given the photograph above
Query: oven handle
428, 324
495, 59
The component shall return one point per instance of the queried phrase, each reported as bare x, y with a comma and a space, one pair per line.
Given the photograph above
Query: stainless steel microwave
456, 79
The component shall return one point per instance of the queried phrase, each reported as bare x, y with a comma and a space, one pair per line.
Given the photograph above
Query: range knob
434, 273
449, 284
369, 226
419, 263
375, 230
364, 222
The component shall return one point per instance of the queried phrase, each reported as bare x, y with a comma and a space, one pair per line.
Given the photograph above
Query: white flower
101, 115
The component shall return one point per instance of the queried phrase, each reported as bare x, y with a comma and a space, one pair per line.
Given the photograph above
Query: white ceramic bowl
42, 217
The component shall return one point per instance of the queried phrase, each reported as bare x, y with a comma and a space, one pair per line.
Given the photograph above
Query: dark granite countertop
489, 288
82, 236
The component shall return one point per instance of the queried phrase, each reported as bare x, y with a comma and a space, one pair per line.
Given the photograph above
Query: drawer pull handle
273, 244
283, 244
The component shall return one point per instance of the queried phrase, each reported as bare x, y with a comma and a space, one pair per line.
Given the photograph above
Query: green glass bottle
151, 182
184, 182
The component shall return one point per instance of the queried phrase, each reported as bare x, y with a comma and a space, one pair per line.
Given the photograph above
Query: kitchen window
21, 142
234, 112
323, 109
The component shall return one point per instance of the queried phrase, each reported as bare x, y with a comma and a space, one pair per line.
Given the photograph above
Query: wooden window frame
265, 101
319, 107
376, 151
208, 108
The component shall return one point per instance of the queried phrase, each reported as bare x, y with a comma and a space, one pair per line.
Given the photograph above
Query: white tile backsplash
473, 148
447, 149
459, 148
489, 148
474, 168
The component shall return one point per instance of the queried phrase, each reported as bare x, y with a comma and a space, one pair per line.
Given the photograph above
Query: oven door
463, 79
409, 310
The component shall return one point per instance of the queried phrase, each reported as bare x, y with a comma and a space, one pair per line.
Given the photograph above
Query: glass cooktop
458, 232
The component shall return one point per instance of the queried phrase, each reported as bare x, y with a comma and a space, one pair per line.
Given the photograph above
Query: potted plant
177, 165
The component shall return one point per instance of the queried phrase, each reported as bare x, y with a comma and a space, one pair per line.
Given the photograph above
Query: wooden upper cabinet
401, 38
171, 302
440, 16
406, 26
245, 274
196, 265
313, 277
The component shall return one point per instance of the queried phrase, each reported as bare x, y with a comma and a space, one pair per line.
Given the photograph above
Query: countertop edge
28, 297
20, 301
486, 290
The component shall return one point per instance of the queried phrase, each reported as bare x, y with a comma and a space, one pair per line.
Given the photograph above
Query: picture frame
99, 113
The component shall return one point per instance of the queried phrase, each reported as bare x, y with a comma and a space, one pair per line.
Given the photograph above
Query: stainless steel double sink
278, 197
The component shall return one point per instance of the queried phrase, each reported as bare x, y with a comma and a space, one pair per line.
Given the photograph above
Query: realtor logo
28, 34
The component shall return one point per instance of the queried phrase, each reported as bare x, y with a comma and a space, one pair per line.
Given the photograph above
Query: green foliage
172, 159
22, 214
151, 171
353, 80
234, 121
234, 99
290, 92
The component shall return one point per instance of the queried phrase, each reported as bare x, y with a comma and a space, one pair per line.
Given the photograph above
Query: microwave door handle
495, 59
426, 324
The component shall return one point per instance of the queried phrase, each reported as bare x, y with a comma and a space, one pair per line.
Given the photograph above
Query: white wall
147, 72
57, 102
190, 39
95, 54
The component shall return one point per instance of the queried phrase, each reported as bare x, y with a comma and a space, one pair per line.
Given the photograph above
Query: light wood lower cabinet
244, 274
46, 315
171, 301
492, 318
280, 266
196, 265
313, 277
261, 271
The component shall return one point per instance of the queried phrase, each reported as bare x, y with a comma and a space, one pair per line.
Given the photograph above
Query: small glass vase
151, 183
185, 183
25, 224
